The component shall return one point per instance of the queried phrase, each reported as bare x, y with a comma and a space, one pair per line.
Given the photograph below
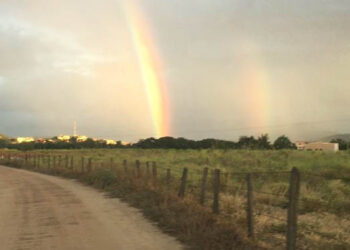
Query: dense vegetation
244, 142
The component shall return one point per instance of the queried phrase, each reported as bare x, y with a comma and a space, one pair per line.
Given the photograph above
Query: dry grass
324, 205
191, 223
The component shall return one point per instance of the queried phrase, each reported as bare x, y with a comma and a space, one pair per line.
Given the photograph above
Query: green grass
230, 160
324, 204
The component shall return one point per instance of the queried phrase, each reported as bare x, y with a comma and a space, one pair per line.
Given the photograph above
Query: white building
322, 146
300, 145
110, 142
63, 137
81, 138
25, 139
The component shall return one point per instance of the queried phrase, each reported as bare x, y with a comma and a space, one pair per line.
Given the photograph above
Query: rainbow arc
150, 67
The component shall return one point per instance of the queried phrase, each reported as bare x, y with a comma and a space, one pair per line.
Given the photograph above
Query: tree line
343, 145
245, 142
70, 144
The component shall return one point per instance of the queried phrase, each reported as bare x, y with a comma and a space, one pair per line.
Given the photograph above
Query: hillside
345, 137
3, 137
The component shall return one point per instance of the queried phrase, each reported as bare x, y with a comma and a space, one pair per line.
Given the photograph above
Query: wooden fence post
26, 160
125, 165
203, 186
147, 169
168, 176
34, 159
21, 159
154, 169
89, 165
183, 183
82, 164
54, 161
72, 163
138, 170
216, 191
48, 161
250, 213
66, 162
111, 166
292, 221
39, 158
59, 161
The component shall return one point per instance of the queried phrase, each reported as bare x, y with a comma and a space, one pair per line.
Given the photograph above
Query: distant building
124, 143
81, 138
300, 145
41, 140
63, 137
25, 139
317, 146
110, 142
322, 146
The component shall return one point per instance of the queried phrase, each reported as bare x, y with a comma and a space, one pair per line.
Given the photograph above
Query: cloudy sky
230, 68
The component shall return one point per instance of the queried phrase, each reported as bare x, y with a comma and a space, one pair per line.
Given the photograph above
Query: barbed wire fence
267, 216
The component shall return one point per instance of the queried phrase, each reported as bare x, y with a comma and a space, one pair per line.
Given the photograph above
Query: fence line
211, 184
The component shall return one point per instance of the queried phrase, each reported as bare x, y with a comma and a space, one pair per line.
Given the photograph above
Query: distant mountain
345, 137
3, 137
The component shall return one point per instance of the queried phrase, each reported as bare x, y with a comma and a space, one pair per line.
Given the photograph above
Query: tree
263, 142
89, 143
246, 142
3, 143
343, 145
283, 142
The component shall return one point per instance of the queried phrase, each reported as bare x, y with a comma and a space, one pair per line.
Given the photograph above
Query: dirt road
46, 212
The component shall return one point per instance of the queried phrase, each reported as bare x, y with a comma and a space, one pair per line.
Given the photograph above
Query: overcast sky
231, 67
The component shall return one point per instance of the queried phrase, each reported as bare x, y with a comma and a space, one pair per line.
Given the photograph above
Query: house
41, 140
124, 143
25, 139
110, 142
322, 146
81, 138
300, 145
63, 137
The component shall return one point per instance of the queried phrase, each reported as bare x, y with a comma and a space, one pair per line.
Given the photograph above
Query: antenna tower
75, 133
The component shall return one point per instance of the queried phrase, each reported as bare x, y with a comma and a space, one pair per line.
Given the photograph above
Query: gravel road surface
44, 212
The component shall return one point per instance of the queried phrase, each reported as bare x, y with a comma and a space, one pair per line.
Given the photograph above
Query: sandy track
45, 212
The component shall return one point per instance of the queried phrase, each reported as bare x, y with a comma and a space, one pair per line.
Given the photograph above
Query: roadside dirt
45, 212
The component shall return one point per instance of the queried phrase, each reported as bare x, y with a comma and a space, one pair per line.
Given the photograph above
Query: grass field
324, 204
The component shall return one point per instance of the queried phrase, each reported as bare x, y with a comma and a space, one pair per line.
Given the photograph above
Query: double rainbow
150, 68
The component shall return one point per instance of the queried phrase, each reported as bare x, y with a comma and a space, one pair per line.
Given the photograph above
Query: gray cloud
73, 60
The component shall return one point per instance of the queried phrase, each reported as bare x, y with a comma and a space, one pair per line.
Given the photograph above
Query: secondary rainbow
150, 67
254, 78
